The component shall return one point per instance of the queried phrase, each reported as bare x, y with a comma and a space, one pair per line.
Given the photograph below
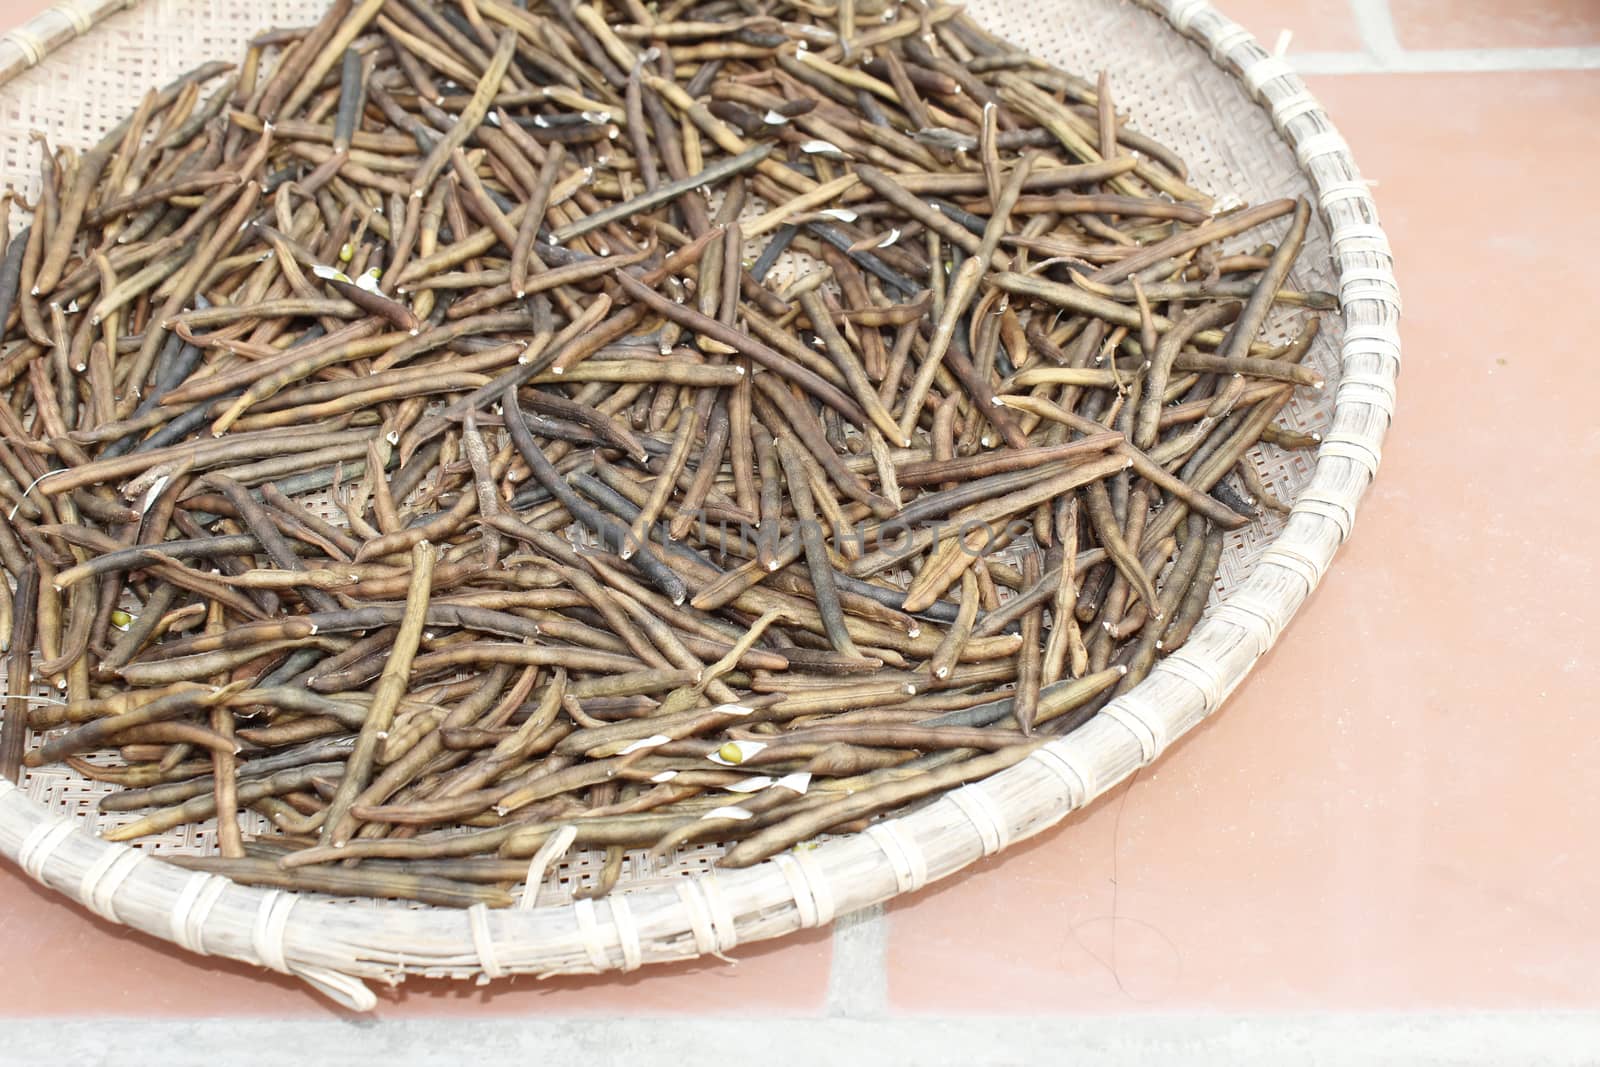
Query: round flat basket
1188, 77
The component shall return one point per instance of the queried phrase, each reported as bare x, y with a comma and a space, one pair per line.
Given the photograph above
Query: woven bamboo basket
1190, 76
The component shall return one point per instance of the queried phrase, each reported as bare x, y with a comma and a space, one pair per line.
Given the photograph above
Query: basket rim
335, 947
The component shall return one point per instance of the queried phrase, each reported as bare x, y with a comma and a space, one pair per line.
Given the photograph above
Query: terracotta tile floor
1389, 813
1324, 27
1489, 24
1396, 812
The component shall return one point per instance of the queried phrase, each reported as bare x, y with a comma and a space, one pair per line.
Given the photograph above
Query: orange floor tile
1496, 23
1315, 27
1392, 813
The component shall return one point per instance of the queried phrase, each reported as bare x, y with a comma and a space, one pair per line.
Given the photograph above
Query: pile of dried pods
407, 435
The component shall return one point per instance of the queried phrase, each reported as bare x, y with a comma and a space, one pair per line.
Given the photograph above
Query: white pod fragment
330, 274
798, 782
727, 813
653, 741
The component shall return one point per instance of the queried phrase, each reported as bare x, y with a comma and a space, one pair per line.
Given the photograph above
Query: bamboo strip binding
28, 44
336, 948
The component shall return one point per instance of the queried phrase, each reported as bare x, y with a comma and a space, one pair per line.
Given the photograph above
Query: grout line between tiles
1419, 1039
858, 979
1382, 53
1376, 26
1448, 61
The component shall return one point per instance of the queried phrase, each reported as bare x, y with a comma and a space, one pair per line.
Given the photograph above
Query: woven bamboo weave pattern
1248, 130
